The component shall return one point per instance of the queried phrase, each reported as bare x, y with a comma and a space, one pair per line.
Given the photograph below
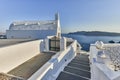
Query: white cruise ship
35, 50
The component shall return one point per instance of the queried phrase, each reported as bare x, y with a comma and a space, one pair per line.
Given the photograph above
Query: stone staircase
77, 69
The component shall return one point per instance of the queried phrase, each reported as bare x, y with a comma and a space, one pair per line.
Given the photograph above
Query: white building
46, 57
105, 61
34, 29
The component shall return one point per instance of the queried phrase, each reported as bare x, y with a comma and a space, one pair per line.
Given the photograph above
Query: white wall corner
63, 44
47, 44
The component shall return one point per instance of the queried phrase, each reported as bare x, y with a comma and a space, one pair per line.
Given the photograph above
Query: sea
85, 41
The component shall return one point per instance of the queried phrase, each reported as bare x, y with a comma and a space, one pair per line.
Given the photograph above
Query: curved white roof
34, 25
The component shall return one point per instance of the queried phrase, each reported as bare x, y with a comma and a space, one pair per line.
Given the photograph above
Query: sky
75, 15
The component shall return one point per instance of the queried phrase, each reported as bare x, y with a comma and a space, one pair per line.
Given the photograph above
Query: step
69, 76
81, 56
76, 71
79, 66
79, 59
80, 62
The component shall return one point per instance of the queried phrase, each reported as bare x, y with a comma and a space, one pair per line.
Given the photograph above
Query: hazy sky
75, 15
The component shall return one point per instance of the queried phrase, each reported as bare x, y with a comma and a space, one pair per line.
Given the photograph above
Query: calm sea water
85, 41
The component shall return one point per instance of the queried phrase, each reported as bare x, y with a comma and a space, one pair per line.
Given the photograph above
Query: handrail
50, 64
41, 72
61, 54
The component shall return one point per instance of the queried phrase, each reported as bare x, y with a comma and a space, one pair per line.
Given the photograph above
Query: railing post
62, 44
47, 44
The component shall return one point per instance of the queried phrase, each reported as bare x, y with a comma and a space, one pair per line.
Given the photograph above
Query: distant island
95, 33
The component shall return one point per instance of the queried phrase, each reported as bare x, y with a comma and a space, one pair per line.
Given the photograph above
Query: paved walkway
4, 76
28, 68
77, 69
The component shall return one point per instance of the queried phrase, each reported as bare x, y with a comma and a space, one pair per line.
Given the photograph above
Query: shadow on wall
42, 46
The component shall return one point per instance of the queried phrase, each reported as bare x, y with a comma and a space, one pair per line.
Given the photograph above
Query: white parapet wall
56, 64
6, 42
14, 55
101, 70
47, 43
63, 44
93, 52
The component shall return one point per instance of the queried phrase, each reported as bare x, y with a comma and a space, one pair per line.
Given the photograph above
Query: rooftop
8, 42
33, 25
28, 68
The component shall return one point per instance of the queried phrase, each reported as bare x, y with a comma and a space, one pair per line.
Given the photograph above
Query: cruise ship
35, 50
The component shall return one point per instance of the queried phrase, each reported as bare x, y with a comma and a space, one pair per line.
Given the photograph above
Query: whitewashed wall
33, 34
97, 74
63, 44
6, 42
100, 71
14, 55
93, 52
56, 64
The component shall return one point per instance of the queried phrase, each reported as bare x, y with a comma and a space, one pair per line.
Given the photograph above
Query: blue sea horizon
85, 41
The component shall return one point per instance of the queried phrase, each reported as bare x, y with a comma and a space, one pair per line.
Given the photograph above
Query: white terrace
105, 61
